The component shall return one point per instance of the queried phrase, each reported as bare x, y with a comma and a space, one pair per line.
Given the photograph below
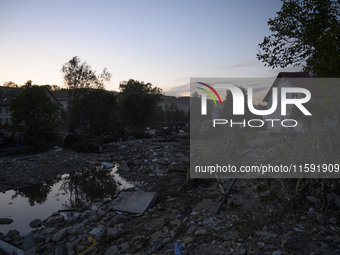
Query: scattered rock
59, 250
264, 233
31, 240
5, 221
60, 234
155, 236
32, 251
35, 223
201, 232
123, 166
113, 250
50, 221
107, 164
112, 232
49, 231
313, 199
116, 220
12, 233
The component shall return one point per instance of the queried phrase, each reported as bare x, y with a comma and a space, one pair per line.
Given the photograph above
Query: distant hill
183, 103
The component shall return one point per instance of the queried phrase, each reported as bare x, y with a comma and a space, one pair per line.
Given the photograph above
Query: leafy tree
305, 32
195, 108
100, 110
173, 114
135, 85
10, 84
6, 86
170, 112
53, 87
179, 115
159, 114
80, 78
138, 102
227, 112
33, 112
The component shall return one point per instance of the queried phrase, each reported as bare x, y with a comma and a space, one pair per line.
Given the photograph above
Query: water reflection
36, 193
75, 191
86, 185
81, 187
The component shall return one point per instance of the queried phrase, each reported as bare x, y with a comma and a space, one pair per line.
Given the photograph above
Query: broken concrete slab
133, 202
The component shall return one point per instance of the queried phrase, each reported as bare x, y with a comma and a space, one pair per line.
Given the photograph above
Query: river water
71, 191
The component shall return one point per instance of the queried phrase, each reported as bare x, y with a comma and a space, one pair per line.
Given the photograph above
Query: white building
286, 79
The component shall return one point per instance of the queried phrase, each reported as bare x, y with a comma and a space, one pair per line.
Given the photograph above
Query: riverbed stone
155, 236
50, 221
270, 240
71, 231
12, 233
201, 232
117, 219
59, 250
69, 247
60, 234
107, 164
94, 218
32, 251
112, 232
48, 231
35, 223
98, 232
101, 213
5, 221
123, 166
125, 246
31, 240
113, 250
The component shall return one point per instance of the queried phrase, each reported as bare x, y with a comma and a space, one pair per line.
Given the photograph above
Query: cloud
289, 69
260, 86
182, 90
245, 64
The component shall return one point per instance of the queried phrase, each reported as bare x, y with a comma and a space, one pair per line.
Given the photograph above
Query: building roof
296, 79
293, 75
5, 100
49, 92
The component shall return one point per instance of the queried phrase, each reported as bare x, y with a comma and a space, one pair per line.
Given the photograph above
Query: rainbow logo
213, 90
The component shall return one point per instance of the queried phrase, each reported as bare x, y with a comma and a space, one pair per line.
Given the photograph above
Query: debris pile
179, 210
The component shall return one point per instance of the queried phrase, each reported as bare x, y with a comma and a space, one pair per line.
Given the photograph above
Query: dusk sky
162, 42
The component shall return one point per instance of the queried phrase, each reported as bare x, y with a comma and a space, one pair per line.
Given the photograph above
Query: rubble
183, 212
